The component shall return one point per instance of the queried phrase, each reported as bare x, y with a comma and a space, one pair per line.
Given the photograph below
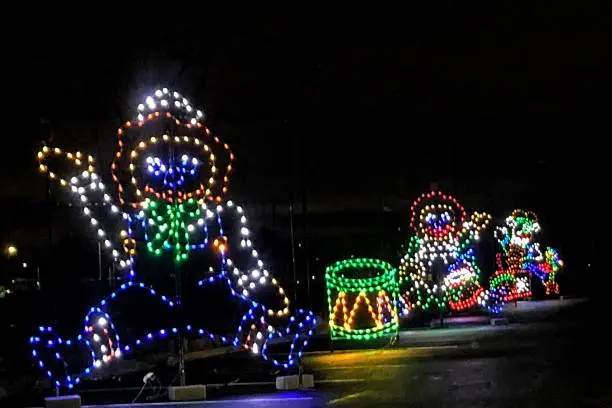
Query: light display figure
170, 179
521, 258
438, 271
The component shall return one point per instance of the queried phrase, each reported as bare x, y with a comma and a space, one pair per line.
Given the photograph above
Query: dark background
353, 112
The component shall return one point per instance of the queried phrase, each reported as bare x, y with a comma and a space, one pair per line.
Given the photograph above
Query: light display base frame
187, 392
64, 401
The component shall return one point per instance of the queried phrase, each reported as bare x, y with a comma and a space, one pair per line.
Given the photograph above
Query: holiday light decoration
554, 264
502, 287
523, 258
362, 294
544, 267
438, 270
462, 285
170, 177
515, 237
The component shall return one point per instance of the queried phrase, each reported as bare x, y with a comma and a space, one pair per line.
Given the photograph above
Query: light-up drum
362, 294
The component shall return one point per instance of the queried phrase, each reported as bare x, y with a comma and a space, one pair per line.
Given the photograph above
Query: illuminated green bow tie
170, 227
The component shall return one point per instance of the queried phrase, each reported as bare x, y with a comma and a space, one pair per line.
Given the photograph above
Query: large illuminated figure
170, 179
438, 271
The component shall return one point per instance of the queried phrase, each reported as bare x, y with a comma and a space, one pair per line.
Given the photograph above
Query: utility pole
305, 224
291, 226
293, 251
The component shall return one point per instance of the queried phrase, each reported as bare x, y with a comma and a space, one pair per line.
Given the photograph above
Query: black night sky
502, 107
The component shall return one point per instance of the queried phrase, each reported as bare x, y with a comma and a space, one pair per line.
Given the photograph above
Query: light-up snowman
438, 271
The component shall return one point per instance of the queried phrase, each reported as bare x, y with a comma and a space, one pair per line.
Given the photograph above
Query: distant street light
24, 265
11, 250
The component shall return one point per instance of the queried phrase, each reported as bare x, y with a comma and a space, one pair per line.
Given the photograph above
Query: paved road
554, 358
551, 358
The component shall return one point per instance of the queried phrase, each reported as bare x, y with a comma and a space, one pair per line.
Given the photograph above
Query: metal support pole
99, 261
180, 338
300, 373
179, 304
